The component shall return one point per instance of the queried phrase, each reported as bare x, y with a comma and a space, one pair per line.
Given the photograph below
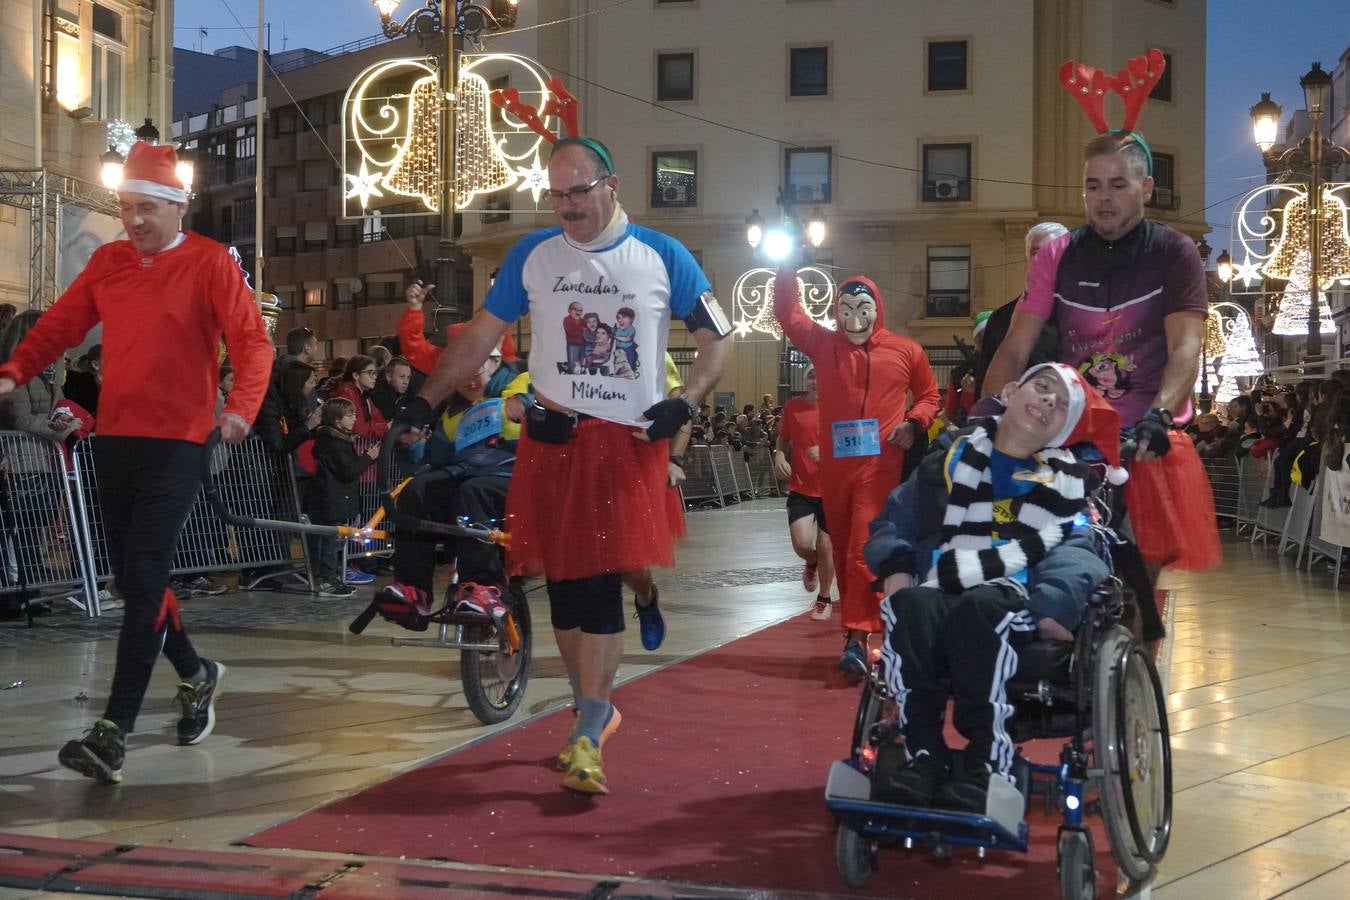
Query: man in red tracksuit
863, 374
165, 298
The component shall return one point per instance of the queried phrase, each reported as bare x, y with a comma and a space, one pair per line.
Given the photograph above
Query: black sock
820, 598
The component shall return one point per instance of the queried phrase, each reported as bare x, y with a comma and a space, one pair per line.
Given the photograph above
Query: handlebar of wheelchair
229, 517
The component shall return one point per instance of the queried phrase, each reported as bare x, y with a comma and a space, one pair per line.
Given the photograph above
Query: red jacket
859, 381
422, 353
163, 317
370, 422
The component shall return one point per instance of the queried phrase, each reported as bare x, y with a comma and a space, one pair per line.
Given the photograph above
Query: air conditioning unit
947, 188
676, 193
1164, 198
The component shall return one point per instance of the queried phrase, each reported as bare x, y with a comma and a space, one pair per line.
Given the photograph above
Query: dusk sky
1254, 46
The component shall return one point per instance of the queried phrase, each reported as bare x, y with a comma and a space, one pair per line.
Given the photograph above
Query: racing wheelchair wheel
1132, 754
1077, 873
853, 856
494, 681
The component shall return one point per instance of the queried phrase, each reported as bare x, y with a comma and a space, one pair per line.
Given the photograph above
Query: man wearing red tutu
589, 498
1128, 295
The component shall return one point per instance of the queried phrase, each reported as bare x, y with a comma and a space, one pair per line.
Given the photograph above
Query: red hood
871, 289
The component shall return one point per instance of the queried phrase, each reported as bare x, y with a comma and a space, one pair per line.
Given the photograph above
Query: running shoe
356, 576
611, 726
335, 590
809, 579
821, 611
201, 585
854, 661
586, 771
651, 624
99, 754
198, 701
480, 600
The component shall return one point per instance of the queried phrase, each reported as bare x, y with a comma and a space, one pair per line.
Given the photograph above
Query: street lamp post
454, 20
779, 242
1313, 152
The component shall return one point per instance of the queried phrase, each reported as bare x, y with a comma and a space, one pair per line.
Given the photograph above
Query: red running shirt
800, 428
163, 316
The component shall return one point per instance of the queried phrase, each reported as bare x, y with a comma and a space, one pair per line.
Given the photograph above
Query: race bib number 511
856, 437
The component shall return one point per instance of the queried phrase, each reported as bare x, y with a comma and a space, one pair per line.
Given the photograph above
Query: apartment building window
347, 234
285, 295
316, 111
285, 121
674, 76
381, 291
372, 228
315, 295
1163, 89
807, 173
316, 236
674, 179
946, 172
948, 65
245, 152
1164, 182
286, 238
808, 71
948, 293
245, 218
497, 207
319, 175
109, 53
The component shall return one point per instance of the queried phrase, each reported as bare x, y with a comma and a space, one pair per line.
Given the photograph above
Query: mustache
573, 215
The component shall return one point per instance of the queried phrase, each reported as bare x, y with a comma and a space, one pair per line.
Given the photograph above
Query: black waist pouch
549, 427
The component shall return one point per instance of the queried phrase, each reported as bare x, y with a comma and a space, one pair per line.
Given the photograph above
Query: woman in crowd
358, 381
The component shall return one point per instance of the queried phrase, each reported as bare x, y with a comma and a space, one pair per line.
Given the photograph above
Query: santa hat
1090, 418
152, 169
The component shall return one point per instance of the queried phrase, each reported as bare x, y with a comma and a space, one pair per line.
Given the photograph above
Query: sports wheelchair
1102, 693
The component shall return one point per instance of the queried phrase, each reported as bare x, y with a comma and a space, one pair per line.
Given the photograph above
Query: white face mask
857, 316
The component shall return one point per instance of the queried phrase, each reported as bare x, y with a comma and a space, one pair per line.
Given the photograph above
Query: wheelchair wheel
1132, 750
494, 682
1077, 871
853, 856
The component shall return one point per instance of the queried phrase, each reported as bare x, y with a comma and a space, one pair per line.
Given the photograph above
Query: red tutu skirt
600, 503
1171, 509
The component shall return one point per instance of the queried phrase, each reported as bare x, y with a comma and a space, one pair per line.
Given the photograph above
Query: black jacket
279, 425
333, 494
996, 328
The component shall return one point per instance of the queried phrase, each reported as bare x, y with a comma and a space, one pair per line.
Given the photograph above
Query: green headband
1143, 145
592, 145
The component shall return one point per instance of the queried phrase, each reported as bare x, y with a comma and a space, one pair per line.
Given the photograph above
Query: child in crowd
983, 549
332, 497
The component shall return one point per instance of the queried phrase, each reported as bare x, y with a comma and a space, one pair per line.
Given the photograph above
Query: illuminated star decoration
533, 179
364, 185
1248, 272
743, 328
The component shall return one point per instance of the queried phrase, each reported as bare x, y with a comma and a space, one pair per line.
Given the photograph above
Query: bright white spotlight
778, 244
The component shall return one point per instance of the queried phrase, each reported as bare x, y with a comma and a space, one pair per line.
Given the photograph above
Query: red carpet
717, 776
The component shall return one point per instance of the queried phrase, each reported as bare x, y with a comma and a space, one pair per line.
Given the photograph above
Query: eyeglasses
369, 372
574, 194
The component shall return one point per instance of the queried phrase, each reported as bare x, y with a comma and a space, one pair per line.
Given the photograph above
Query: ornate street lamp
754, 229
1312, 153
1223, 267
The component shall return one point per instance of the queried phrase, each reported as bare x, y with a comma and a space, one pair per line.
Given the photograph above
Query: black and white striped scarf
969, 556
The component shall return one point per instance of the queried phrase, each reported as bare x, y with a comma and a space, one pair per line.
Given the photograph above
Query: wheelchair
1102, 693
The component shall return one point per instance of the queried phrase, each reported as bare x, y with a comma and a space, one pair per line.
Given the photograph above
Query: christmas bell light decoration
1294, 241
1295, 306
415, 171
480, 167
1240, 357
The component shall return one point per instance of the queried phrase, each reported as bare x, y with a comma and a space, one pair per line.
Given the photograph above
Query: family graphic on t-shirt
598, 348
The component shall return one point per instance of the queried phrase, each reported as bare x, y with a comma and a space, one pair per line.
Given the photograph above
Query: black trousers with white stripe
971, 639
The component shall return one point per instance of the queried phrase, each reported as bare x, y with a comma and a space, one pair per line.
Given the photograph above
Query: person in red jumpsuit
863, 376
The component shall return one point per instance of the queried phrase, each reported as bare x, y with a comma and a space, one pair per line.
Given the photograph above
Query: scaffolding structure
42, 194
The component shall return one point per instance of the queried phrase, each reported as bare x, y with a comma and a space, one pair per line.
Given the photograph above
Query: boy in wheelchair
469, 454
987, 546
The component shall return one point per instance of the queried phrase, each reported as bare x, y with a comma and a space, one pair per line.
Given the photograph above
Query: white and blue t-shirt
579, 299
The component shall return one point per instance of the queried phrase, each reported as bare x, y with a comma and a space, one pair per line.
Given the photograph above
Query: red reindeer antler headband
560, 103
1133, 83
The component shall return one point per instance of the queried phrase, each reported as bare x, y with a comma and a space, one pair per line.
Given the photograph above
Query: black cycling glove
1151, 435
417, 412
667, 418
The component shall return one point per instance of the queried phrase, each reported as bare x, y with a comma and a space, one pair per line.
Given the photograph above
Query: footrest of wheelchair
847, 795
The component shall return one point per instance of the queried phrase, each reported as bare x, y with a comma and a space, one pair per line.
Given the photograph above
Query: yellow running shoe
586, 774
565, 754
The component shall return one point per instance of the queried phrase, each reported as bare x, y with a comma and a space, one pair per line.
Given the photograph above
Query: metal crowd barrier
42, 548
701, 488
763, 481
1224, 480
370, 495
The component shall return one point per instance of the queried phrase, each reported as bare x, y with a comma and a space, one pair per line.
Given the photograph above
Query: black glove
667, 418
1151, 435
417, 412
